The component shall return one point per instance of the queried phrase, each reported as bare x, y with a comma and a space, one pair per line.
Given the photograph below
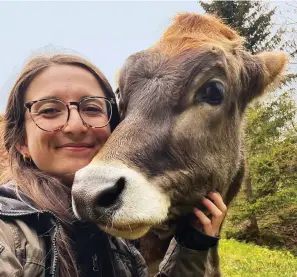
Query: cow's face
180, 134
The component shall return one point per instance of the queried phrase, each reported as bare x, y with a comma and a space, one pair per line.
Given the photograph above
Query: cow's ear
273, 64
117, 77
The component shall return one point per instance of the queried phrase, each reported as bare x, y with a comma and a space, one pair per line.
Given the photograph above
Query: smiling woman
77, 144
59, 114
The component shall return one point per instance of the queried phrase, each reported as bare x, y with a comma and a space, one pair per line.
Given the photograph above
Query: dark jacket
28, 247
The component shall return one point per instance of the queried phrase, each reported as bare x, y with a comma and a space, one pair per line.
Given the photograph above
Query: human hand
217, 209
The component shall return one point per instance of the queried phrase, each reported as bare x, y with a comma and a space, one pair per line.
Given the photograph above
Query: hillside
248, 260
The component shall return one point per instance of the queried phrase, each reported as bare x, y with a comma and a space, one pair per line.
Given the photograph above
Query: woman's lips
77, 147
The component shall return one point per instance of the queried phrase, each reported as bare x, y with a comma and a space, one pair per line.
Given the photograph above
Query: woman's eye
49, 112
93, 110
211, 93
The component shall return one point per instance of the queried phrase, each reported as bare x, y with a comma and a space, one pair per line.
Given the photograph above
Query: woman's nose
75, 123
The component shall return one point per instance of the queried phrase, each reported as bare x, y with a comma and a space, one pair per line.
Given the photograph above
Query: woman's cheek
41, 147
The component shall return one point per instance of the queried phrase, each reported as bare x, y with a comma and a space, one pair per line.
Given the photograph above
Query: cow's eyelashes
211, 93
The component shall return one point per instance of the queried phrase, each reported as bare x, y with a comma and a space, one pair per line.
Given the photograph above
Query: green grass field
248, 260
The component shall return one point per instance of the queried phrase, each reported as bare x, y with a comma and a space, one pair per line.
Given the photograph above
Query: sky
105, 32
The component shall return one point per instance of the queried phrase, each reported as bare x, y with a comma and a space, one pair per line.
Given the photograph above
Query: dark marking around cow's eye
211, 93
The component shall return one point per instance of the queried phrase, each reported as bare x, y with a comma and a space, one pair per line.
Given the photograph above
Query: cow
182, 104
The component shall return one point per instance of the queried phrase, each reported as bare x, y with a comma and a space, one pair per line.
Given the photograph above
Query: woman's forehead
66, 82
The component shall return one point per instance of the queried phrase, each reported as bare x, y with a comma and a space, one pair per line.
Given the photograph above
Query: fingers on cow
217, 209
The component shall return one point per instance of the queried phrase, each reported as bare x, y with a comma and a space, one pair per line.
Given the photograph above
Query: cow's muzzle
119, 199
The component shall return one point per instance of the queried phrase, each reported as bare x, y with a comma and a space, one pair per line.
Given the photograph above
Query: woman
49, 134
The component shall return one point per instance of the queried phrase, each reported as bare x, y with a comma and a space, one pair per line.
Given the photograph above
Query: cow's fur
174, 145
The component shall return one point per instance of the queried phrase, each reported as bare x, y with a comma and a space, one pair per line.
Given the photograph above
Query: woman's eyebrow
62, 99
47, 98
91, 95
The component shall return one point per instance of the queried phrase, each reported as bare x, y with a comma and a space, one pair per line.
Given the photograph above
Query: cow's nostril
108, 196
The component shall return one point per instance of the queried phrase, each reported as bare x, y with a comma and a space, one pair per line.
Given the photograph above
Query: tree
271, 133
271, 141
254, 20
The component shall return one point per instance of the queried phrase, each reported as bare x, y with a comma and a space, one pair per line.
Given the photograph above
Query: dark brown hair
46, 192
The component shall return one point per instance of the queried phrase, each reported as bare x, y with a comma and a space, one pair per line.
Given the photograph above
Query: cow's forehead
155, 64
175, 75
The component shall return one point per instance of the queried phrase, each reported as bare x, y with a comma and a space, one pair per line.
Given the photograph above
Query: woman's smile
77, 147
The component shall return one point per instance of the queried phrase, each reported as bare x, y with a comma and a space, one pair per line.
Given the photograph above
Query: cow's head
182, 104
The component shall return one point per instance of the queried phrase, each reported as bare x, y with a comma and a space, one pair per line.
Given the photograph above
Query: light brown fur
190, 31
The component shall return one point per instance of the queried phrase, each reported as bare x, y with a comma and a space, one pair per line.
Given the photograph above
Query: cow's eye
211, 93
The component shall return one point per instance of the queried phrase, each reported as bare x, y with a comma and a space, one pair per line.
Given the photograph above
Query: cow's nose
109, 195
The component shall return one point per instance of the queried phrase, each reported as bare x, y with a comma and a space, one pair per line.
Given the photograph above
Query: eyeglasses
53, 114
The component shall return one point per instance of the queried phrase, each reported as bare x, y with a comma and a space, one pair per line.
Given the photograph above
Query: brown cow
182, 105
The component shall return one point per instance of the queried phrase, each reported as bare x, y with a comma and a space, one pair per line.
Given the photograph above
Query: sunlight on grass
249, 260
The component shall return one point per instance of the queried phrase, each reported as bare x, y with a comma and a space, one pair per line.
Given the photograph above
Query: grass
249, 260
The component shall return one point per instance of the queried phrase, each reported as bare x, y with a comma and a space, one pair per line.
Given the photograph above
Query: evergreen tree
257, 22
271, 142
254, 21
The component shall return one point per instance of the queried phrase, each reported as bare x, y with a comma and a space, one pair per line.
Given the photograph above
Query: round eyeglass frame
112, 101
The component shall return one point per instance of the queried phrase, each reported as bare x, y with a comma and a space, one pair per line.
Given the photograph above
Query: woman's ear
24, 150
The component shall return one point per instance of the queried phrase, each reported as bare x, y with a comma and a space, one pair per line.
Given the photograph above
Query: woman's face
61, 153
